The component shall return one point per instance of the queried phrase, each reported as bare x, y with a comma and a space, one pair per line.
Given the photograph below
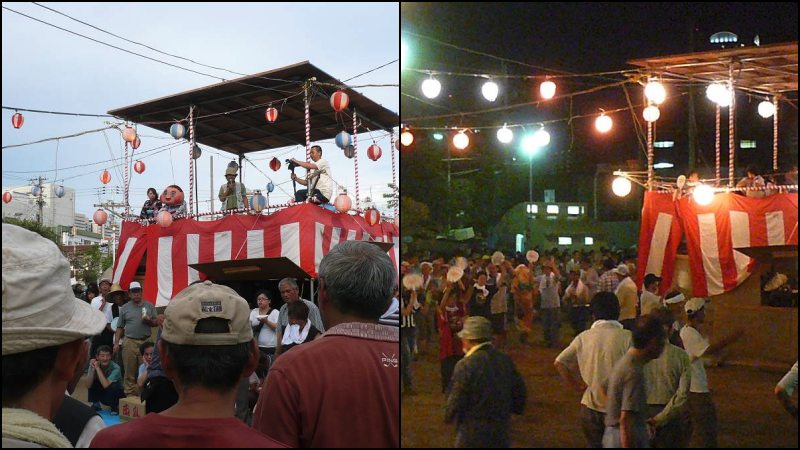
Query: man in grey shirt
136, 319
626, 407
290, 292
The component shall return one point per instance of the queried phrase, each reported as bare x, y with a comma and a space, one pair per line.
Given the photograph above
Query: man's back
340, 390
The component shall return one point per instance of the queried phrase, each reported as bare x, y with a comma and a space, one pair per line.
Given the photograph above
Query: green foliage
32, 225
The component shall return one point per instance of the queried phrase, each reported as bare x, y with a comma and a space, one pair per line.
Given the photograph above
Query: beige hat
39, 308
476, 328
622, 269
202, 301
230, 171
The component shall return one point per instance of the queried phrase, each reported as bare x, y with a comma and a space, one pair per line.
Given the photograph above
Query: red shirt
341, 390
158, 431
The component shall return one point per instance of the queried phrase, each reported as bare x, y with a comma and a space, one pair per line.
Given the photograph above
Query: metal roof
769, 69
230, 115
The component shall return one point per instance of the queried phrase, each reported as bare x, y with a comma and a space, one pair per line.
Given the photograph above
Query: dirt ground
747, 411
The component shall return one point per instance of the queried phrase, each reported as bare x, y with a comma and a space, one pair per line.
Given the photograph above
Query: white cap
694, 305
39, 308
622, 269
134, 285
676, 299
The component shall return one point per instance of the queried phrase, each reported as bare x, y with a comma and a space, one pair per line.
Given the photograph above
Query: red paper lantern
343, 202
105, 178
17, 119
271, 115
275, 164
129, 134
138, 166
164, 218
372, 216
374, 152
397, 144
7, 197
339, 101
136, 143
100, 217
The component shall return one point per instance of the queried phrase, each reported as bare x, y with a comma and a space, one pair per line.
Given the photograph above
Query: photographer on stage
319, 177
232, 194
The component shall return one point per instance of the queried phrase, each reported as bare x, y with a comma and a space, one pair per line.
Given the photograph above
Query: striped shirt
608, 282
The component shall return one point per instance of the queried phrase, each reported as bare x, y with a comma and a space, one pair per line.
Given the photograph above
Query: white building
55, 210
82, 222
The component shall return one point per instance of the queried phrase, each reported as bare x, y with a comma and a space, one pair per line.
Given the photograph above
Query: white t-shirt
628, 296
325, 183
789, 381
97, 301
649, 301
266, 337
696, 345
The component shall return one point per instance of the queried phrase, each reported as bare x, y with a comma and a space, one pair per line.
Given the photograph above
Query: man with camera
232, 194
319, 177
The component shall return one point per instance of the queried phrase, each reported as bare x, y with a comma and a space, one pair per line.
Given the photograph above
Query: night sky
581, 38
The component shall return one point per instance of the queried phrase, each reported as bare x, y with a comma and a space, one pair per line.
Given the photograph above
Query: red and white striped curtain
659, 237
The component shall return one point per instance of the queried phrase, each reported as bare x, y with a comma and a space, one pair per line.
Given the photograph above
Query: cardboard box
131, 408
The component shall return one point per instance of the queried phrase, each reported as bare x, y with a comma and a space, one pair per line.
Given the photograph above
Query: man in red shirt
341, 390
206, 347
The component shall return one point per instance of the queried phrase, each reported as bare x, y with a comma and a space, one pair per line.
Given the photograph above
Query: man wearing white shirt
576, 295
550, 291
628, 296
650, 298
589, 276
104, 304
594, 352
321, 174
701, 406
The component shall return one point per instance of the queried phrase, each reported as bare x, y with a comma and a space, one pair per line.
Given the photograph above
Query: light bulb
621, 186
603, 123
490, 90
766, 109
719, 94
547, 90
505, 135
406, 138
431, 87
655, 92
651, 113
461, 140
703, 194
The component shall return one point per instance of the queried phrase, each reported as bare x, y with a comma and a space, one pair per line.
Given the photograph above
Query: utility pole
112, 206
37, 182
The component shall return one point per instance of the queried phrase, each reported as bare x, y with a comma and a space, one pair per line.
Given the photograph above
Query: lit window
588, 241
573, 210
564, 240
747, 144
664, 144
552, 209
533, 209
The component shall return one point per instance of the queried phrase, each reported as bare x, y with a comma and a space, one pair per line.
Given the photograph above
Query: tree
36, 227
393, 197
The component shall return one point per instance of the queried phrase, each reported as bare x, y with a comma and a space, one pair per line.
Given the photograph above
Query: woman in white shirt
264, 320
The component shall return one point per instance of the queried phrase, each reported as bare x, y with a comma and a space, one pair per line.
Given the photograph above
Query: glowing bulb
541, 138
703, 194
719, 94
766, 109
651, 113
603, 123
431, 87
655, 92
461, 140
547, 90
438, 136
621, 186
490, 90
406, 138
505, 135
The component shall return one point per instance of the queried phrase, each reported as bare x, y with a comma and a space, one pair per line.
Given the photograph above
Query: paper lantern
350, 151
339, 101
343, 139
258, 202
621, 187
766, 109
270, 187
164, 218
177, 130
374, 152
59, 191
233, 165
603, 123
505, 135
196, 152
17, 120
413, 281
100, 217
397, 144
105, 177
651, 113
275, 164
372, 216
129, 134
138, 166
136, 143
36, 190
681, 181
547, 90
654, 91
343, 202
460, 140
271, 114
7, 197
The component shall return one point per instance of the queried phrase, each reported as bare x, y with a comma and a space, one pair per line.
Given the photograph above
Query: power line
56, 112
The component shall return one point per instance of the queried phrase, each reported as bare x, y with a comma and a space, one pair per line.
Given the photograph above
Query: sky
45, 68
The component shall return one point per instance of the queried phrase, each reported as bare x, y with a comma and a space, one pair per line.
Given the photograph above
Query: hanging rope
355, 157
775, 135
191, 159
717, 146
394, 170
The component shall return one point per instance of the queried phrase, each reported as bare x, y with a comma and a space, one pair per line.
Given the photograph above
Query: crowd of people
636, 357
300, 377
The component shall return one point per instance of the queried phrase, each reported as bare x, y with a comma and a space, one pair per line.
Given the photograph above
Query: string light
461, 140
603, 123
490, 90
505, 135
431, 87
654, 91
547, 90
766, 109
406, 138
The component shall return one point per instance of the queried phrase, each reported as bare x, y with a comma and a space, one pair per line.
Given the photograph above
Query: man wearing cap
44, 337
232, 194
136, 319
206, 347
650, 298
628, 297
701, 406
341, 390
486, 389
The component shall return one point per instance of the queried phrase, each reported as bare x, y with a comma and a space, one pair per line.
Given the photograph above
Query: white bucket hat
39, 308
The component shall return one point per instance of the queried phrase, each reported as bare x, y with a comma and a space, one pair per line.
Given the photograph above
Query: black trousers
301, 195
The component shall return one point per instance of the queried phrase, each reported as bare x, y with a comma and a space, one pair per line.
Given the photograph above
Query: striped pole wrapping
308, 123
717, 145
355, 157
191, 159
394, 169
731, 141
127, 186
650, 155
775, 135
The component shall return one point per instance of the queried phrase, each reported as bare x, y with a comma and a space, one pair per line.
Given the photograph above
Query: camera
291, 165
